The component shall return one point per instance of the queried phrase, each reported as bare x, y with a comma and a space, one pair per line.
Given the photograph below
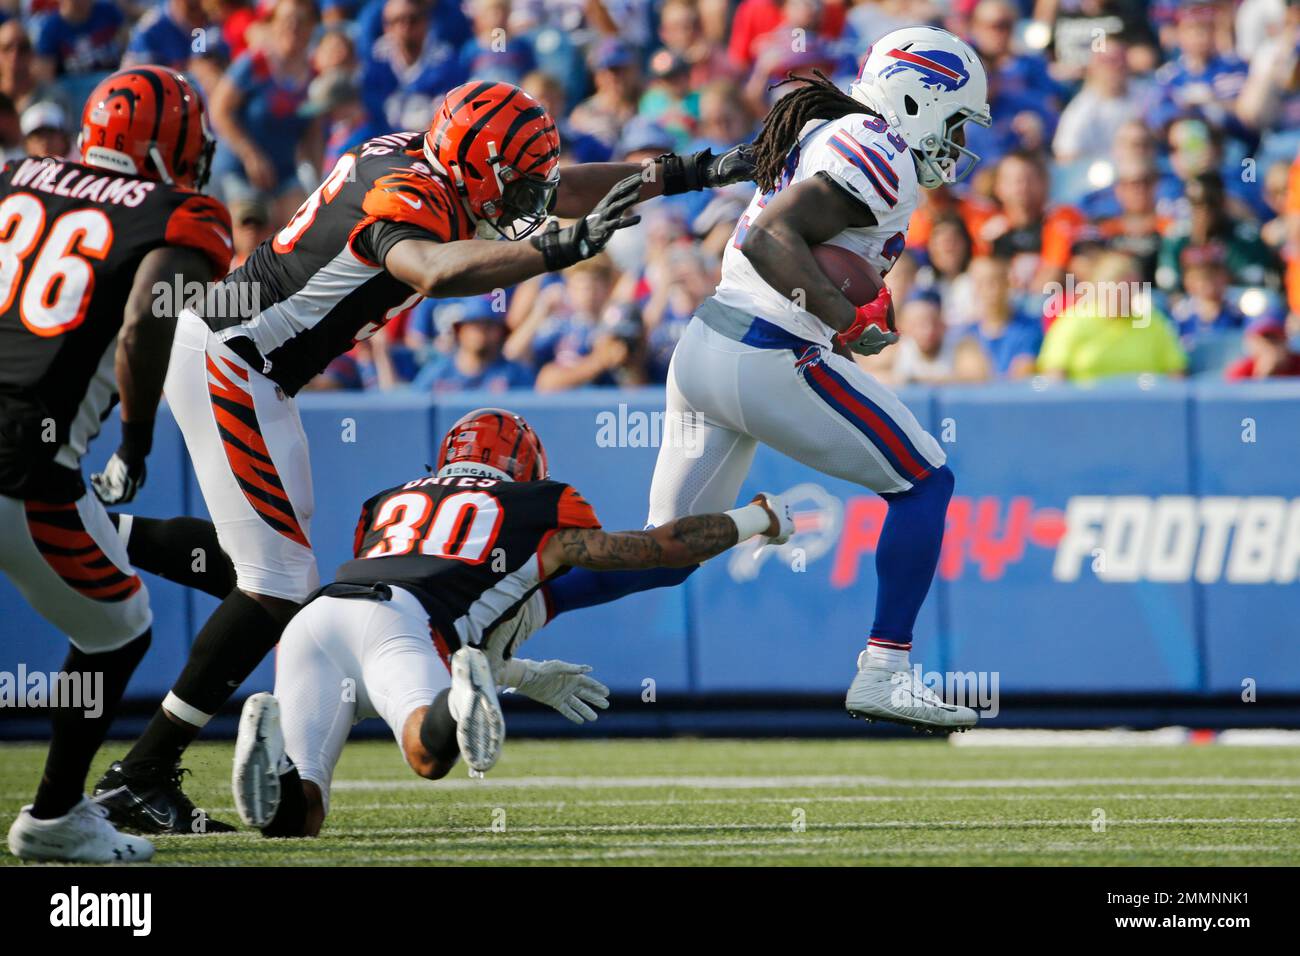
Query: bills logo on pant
818, 518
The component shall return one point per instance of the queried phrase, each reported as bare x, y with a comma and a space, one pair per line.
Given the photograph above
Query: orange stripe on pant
249, 471
91, 573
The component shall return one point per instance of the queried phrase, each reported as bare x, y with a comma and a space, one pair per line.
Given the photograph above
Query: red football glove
870, 331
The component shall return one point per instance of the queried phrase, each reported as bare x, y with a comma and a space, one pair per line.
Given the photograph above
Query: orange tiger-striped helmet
150, 122
494, 443
500, 148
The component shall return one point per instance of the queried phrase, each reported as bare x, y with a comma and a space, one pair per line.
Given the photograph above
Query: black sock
438, 730
184, 550
290, 818
231, 644
76, 737
160, 746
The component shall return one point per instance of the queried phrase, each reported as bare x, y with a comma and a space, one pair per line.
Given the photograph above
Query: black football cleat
152, 801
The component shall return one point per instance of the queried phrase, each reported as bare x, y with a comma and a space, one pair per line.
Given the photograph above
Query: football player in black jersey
83, 247
409, 630
400, 217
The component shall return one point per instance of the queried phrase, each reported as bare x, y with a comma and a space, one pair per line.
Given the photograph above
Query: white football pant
724, 397
342, 660
250, 456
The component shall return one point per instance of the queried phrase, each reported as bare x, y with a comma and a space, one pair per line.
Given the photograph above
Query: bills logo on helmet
939, 67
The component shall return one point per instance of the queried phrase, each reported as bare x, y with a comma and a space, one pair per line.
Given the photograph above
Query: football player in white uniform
767, 358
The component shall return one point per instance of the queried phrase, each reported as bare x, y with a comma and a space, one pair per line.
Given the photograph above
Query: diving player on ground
417, 627
401, 216
766, 358
82, 247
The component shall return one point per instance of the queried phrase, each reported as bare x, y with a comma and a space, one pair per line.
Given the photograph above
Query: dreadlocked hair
817, 99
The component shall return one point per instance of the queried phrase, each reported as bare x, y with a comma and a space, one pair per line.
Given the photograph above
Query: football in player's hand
850, 273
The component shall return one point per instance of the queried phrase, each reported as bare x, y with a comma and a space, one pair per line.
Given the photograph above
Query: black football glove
703, 170
125, 472
561, 248
118, 483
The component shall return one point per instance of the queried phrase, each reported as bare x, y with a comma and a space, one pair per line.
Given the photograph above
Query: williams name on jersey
73, 237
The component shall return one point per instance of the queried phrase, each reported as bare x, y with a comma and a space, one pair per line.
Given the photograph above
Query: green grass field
697, 802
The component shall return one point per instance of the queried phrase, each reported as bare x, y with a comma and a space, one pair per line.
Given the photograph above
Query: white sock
890, 657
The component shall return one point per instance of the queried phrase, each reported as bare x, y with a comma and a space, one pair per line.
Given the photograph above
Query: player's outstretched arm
143, 348
464, 267
477, 266
582, 185
679, 543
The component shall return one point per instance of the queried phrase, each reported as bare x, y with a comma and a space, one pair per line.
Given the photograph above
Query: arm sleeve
376, 240
203, 223
856, 159
405, 205
573, 511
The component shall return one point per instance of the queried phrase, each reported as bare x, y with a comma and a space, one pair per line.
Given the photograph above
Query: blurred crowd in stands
1136, 210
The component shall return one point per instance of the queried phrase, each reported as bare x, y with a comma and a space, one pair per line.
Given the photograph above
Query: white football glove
785, 520
873, 340
558, 684
118, 483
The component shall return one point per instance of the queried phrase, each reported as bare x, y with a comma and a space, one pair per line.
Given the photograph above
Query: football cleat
878, 693
151, 801
259, 761
82, 835
480, 726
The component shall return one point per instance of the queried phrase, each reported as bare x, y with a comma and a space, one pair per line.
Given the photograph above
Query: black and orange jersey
468, 547
319, 285
71, 239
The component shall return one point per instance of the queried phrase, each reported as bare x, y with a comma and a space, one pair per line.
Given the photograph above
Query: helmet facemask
203, 164
939, 159
525, 200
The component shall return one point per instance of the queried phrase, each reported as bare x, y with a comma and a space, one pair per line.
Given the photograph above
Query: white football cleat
878, 693
259, 761
82, 835
480, 726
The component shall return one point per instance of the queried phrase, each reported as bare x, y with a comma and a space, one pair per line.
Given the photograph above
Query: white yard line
574, 829
818, 780
1120, 737
799, 799
724, 851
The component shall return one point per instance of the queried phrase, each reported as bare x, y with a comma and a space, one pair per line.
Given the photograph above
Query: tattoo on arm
682, 542
703, 536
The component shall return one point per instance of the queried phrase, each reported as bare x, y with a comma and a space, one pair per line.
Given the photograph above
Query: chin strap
159, 165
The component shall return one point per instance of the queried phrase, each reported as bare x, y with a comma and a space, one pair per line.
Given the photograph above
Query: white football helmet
927, 83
